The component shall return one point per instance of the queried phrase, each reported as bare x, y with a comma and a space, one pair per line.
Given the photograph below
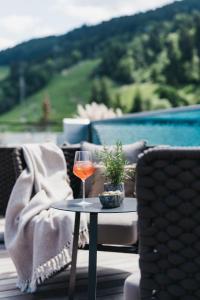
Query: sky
21, 20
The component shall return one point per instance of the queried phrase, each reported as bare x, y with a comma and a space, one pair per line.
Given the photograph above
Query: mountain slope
150, 59
4, 71
90, 40
64, 91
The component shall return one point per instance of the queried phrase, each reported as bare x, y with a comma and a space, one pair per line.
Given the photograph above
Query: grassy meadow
69, 88
73, 86
64, 92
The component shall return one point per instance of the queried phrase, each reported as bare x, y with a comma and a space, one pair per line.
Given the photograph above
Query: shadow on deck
113, 268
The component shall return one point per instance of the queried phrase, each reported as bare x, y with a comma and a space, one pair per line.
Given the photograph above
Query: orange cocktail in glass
83, 168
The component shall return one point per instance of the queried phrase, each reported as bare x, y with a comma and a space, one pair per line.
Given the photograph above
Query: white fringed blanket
39, 238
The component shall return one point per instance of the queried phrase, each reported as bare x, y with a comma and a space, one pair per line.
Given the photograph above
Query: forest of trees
168, 54
161, 46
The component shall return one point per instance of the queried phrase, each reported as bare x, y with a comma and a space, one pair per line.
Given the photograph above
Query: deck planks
113, 268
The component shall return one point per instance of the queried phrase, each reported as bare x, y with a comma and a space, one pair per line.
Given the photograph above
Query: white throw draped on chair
39, 238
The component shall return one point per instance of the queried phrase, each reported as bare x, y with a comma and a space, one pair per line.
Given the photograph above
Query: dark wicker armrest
7, 176
18, 161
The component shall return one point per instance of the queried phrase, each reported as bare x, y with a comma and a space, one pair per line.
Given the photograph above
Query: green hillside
142, 62
64, 91
69, 88
73, 86
4, 71
92, 40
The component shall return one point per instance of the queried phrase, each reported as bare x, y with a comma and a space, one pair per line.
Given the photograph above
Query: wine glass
83, 168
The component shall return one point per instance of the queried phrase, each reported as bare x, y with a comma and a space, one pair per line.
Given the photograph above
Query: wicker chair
168, 193
112, 229
7, 180
7, 176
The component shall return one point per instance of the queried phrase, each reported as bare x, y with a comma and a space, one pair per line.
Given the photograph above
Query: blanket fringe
83, 238
52, 266
45, 271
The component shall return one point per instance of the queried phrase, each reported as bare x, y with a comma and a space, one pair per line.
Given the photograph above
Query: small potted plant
115, 171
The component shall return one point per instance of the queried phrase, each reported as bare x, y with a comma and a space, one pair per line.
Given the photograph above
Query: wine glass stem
83, 181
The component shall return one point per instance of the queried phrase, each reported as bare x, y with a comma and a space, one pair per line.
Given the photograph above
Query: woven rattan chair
7, 176
168, 193
7, 180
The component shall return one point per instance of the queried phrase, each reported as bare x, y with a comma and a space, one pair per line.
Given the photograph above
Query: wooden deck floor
113, 268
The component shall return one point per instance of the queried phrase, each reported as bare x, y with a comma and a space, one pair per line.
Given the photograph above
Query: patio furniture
7, 180
94, 210
37, 238
168, 189
7, 176
115, 233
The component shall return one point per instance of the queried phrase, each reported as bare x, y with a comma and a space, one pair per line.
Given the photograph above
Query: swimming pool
174, 128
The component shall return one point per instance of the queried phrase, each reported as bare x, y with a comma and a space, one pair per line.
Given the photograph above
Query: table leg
92, 257
74, 257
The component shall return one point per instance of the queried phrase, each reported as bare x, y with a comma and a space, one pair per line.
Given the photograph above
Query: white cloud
14, 24
22, 20
91, 11
85, 13
21, 28
5, 43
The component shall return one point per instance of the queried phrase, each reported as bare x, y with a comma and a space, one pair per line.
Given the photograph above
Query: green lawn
65, 91
127, 92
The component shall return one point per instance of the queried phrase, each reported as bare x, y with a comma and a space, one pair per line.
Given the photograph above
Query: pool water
180, 115
175, 128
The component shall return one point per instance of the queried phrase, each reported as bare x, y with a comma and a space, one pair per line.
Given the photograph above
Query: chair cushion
131, 151
117, 229
2, 225
131, 287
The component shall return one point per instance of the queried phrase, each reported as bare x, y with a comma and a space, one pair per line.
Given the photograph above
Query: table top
128, 205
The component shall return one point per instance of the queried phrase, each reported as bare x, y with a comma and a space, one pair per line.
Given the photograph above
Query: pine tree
137, 102
46, 108
186, 44
105, 95
118, 102
173, 70
95, 91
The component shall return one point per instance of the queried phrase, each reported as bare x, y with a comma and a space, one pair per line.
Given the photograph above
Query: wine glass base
83, 203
